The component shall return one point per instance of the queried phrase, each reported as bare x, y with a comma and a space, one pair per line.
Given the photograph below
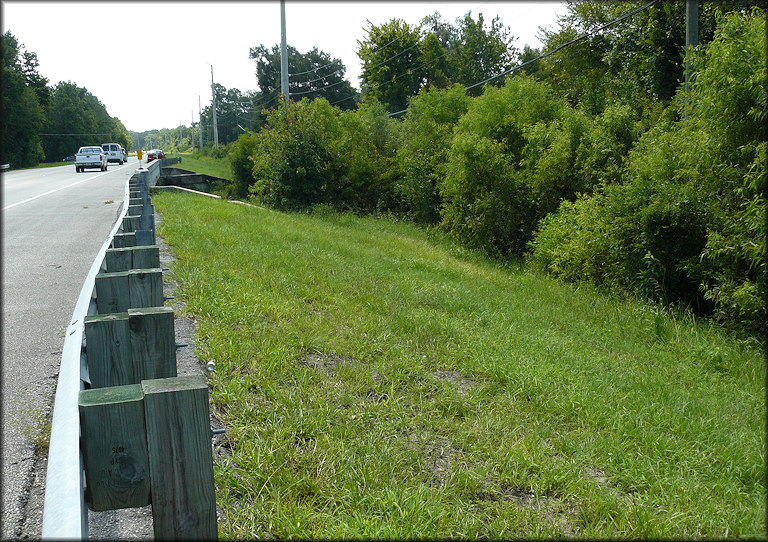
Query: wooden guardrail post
123, 290
179, 444
128, 347
114, 447
122, 240
124, 259
151, 442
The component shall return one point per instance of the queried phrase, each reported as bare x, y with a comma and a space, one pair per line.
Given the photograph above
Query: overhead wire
563, 46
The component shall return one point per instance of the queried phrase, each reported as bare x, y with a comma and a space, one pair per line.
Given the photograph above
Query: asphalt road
53, 225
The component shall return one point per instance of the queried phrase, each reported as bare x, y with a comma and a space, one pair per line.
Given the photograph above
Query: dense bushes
425, 138
517, 153
687, 224
295, 164
310, 153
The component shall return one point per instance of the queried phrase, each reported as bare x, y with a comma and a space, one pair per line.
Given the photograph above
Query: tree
311, 75
22, 113
76, 118
392, 68
637, 61
481, 51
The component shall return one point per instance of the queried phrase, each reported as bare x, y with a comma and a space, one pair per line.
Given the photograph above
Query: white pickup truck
93, 157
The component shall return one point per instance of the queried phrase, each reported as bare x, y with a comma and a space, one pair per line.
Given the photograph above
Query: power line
563, 46
104, 134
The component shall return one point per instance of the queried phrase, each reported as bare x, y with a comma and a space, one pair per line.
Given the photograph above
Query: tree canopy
399, 59
41, 122
314, 74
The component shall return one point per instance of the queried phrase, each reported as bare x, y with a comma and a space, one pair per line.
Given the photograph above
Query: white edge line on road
52, 191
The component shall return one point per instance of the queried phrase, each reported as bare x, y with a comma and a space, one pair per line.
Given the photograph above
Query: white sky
154, 56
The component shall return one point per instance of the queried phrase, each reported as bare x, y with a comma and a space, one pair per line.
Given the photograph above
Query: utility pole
192, 129
691, 38
200, 122
215, 126
283, 54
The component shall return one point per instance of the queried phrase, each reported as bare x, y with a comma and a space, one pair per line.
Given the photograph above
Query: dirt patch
328, 363
602, 479
458, 381
444, 457
598, 475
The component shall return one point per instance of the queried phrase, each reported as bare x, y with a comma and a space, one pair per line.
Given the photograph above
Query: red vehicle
155, 154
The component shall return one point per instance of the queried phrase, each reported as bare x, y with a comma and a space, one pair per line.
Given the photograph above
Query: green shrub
514, 157
367, 147
295, 166
241, 161
425, 137
638, 237
687, 225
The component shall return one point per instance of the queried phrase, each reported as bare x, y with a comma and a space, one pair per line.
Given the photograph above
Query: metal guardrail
65, 513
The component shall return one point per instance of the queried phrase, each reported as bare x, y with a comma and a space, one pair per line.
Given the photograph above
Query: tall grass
377, 381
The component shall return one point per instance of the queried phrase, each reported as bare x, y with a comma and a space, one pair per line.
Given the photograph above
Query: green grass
44, 164
377, 381
216, 167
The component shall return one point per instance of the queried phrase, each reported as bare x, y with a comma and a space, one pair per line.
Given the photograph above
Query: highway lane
54, 222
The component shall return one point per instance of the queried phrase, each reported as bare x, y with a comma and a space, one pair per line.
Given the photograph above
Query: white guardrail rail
65, 512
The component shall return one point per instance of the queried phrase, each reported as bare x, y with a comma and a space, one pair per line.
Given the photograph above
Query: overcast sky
147, 62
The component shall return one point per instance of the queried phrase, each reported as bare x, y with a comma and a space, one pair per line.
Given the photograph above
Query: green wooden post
130, 223
121, 240
107, 347
139, 257
114, 444
128, 347
180, 458
153, 343
146, 288
112, 292
118, 259
145, 237
123, 290
145, 257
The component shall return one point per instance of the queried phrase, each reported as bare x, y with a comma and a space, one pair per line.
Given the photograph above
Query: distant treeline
43, 123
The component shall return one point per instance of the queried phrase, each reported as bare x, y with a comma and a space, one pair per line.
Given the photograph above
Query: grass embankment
207, 165
377, 381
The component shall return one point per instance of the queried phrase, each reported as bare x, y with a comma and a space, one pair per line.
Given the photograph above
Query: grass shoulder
378, 381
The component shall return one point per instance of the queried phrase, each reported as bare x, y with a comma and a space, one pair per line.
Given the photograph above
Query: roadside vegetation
41, 121
645, 189
379, 380
207, 165
534, 308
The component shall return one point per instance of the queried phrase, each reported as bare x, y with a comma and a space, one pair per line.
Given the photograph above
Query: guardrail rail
126, 431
